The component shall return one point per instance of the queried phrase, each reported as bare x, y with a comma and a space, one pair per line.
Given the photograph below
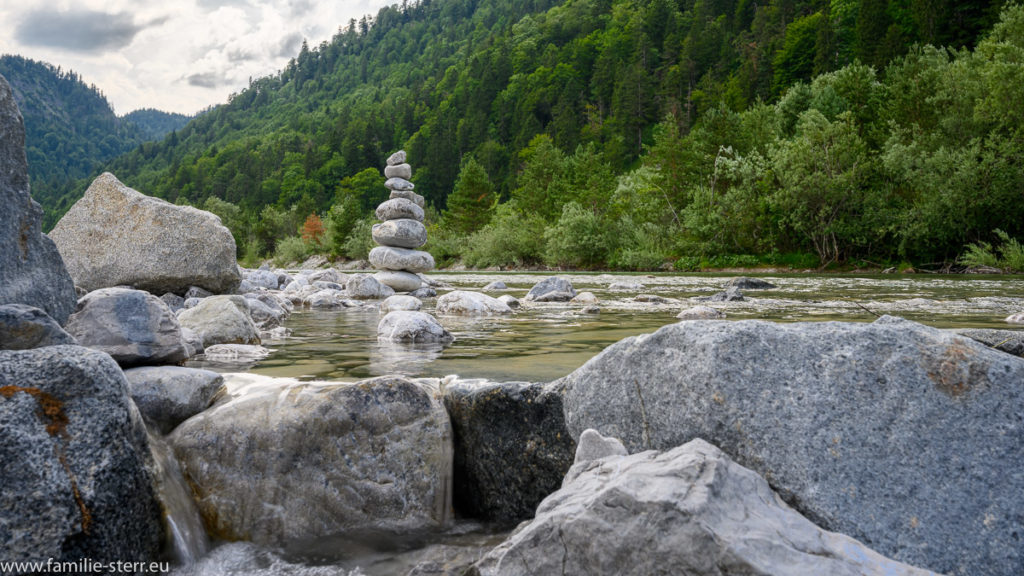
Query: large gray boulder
284, 461
31, 269
553, 289
168, 395
905, 437
390, 258
465, 303
133, 326
690, 511
73, 461
512, 448
23, 327
116, 236
221, 320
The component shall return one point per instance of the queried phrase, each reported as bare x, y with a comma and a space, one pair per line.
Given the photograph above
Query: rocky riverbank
706, 447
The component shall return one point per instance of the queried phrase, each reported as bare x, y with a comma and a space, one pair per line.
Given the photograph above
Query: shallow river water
542, 342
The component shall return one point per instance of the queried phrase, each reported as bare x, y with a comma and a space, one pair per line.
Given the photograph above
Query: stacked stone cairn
401, 231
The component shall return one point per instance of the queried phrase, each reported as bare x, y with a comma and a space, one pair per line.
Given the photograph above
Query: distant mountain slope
155, 124
446, 78
70, 127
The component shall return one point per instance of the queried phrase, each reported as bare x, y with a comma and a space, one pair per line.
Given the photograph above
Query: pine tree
470, 201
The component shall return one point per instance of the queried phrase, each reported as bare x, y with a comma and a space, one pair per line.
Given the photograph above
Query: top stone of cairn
397, 158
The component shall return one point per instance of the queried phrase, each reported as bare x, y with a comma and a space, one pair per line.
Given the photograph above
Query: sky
172, 55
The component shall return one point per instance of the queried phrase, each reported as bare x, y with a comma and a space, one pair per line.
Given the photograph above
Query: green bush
444, 244
580, 239
982, 254
360, 240
510, 239
643, 247
290, 250
339, 222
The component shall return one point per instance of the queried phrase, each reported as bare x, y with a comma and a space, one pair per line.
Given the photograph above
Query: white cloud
180, 56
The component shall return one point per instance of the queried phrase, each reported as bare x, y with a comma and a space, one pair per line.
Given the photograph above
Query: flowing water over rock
185, 532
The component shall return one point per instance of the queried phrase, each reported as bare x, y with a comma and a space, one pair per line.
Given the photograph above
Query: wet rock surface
512, 448
168, 395
286, 462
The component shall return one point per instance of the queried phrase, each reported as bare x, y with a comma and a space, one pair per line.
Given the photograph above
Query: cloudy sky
173, 55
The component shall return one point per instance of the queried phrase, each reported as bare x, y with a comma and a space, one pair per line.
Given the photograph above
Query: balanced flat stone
408, 195
403, 171
399, 208
399, 184
396, 158
399, 281
401, 233
389, 258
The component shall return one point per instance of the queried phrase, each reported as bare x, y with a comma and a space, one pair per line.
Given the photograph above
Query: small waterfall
185, 533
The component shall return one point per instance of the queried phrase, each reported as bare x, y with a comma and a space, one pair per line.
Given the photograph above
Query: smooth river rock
401, 303
398, 208
554, 289
285, 462
403, 171
221, 320
464, 303
592, 446
23, 327
367, 287
1017, 318
512, 448
905, 437
701, 313
745, 283
399, 185
411, 326
31, 270
116, 236
396, 158
73, 461
402, 233
402, 259
168, 395
133, 326
399, 281
690, 510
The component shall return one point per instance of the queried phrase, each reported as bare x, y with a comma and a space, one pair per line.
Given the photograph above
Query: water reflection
402, 358
544, 341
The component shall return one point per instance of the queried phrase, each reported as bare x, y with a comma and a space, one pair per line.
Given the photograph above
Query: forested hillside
628, 134
71, 128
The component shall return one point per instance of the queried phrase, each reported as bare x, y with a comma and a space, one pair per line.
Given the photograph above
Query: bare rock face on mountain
117, 236
31, 269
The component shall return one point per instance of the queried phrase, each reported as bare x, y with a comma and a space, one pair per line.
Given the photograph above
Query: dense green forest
70, 128
628, 134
